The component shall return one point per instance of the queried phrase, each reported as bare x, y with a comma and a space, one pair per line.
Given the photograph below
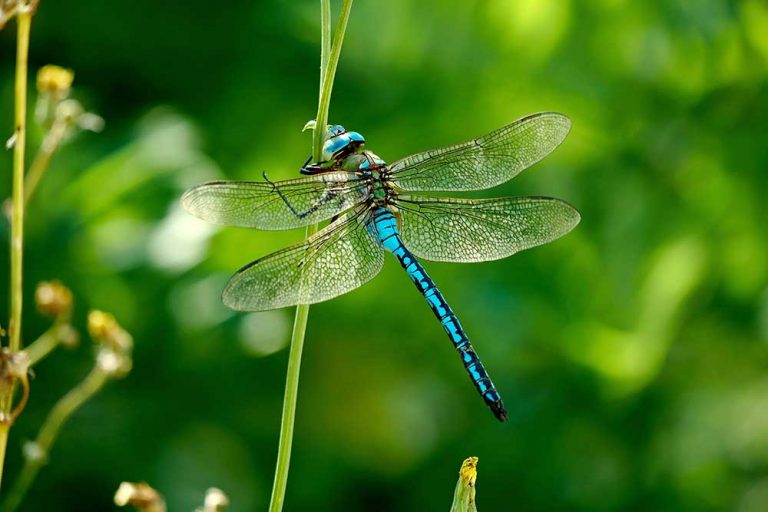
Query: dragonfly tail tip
499, 411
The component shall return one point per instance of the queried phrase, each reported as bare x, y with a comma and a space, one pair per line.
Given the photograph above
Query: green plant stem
37, 453
43, 157
49, 340
329, 59
17, 222
24, 20
289, 406
325, 47
326, 83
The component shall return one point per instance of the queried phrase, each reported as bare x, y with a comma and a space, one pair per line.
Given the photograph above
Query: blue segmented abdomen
384, 228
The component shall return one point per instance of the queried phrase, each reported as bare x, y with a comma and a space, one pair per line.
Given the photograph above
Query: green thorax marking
372, 168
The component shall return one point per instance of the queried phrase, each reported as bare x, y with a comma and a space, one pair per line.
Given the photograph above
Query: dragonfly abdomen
386, 231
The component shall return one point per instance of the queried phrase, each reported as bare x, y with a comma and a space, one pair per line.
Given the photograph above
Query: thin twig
43, 157
60, 331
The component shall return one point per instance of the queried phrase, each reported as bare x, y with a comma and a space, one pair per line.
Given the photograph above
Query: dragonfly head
340, 143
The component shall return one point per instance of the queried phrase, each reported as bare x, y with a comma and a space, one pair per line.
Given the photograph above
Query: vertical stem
325, 45
24, 20
329, 59
326, 83
289, 405
17, 223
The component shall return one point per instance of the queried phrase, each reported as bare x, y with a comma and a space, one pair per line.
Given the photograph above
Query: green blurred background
632, 353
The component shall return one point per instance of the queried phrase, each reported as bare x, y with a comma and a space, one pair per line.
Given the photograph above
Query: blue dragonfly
375, 207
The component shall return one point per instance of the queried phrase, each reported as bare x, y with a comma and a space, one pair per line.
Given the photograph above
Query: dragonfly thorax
373, 171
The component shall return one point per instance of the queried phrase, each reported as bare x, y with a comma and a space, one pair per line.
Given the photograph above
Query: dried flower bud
103, 328
468, 471
11, 8
114, 364
101, 324
114, 355
13, 366
53, 299
68, 111
90, 122
55, 80
141, 496
464, 495
215, 500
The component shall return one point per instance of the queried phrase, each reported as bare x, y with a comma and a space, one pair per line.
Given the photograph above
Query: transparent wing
485, 162
280, 205
466, 230
334, 261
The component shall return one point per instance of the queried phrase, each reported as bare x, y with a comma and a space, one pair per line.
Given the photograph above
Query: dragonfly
375, 207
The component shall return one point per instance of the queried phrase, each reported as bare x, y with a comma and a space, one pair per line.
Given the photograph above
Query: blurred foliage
631, 353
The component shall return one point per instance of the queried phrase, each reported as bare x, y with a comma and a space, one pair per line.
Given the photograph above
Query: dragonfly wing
467, 230
484, 162
333, 261
280, 205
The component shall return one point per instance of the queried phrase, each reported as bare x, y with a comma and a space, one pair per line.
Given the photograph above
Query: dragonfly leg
326, 198
317, 168
303, 169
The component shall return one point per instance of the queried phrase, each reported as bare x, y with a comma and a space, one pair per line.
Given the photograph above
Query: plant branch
43, 157
112, 361
36, 453
60, 332
329, 59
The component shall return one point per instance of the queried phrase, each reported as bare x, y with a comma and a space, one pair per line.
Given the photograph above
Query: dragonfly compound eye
356, 137
341, 144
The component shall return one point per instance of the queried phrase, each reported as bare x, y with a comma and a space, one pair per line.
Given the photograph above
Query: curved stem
36, 453
40, 163
329, 59
47, 342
